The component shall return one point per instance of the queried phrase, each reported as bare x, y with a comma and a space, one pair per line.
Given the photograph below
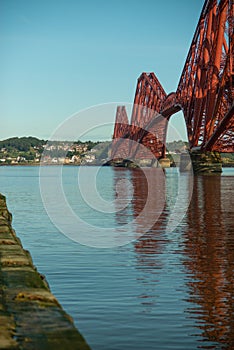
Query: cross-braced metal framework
205, 92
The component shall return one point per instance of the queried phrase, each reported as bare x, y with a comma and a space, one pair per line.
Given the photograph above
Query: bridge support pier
165, 163
201, 162
185, 162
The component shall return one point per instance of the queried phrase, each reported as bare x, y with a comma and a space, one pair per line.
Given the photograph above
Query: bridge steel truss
205, 94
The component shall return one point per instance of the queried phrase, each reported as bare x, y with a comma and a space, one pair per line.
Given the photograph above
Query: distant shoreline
36, 164
224, 165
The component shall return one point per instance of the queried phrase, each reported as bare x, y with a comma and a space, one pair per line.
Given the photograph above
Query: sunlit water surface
165, 290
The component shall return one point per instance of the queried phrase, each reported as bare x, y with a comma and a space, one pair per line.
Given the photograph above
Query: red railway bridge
204, 94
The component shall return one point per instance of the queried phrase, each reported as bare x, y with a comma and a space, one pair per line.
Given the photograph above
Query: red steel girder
121, 122
148, 102
149, 94
205, 91
119, 149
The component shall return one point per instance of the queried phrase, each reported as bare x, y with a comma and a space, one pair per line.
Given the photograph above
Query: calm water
165, 290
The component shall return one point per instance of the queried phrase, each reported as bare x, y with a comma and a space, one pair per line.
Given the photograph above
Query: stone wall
30, 315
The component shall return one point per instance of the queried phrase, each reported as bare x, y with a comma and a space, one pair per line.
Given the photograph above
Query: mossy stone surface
31, 318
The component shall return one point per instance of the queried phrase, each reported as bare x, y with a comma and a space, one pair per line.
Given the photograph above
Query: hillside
22, 144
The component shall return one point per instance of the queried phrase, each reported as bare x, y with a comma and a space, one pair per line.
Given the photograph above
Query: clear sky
61, 56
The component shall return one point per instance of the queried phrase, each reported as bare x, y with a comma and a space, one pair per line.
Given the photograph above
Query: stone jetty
30, 315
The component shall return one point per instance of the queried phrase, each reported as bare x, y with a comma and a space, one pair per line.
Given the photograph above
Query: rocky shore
30, 315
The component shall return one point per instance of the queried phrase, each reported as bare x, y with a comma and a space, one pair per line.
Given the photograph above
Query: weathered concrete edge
30, 315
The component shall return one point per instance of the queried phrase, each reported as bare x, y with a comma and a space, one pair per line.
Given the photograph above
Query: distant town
34, 151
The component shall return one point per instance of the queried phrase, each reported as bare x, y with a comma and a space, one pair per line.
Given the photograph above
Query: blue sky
61, 56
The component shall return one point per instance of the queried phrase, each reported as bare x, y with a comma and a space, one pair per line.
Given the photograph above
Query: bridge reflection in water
197, 257
209, 249
143, 190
